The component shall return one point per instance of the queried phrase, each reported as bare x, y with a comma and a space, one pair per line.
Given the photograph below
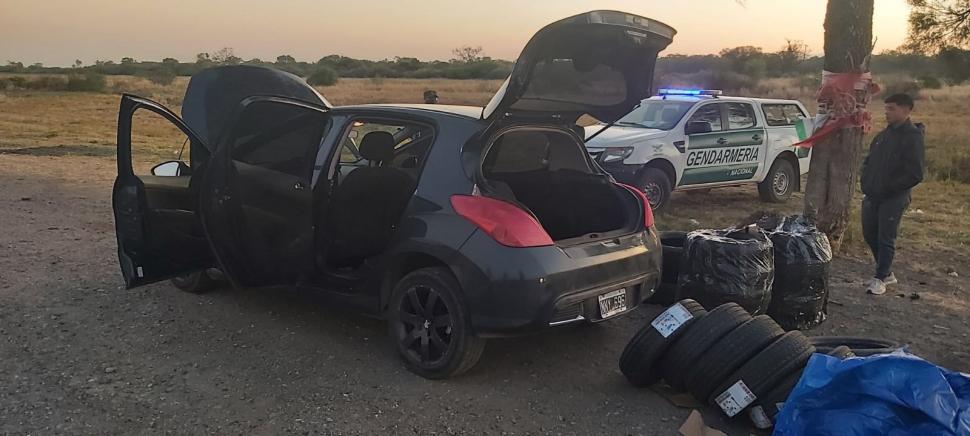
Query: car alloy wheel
425, 325
428, 324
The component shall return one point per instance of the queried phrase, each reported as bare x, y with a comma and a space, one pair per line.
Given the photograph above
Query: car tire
198, 282
721, 360
655, 184
767, 406
860, 346
639, 359
780, 182
764, 371
428, 322
706, 331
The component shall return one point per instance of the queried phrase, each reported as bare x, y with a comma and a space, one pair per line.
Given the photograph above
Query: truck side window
782, 114
793, 112
740, 116
710, 113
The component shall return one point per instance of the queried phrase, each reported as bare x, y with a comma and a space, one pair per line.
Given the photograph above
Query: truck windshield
656, 114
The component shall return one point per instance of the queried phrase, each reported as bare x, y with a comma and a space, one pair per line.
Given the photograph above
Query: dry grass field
62, 123
84, 124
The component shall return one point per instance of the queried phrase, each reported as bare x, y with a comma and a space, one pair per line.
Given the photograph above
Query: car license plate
612, 303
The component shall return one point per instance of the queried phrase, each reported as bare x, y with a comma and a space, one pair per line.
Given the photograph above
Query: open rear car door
247, 195
258, 205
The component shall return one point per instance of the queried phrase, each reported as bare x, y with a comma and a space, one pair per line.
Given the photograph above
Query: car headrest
377, 146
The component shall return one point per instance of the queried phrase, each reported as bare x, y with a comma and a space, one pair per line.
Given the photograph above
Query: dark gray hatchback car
455, 224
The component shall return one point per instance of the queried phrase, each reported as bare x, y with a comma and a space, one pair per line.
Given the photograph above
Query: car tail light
647, 210
505, 222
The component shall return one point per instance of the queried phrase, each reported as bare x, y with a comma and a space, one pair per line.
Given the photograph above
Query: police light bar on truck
694, 92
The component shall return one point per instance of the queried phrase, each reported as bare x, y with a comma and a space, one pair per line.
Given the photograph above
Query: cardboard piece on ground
694, 426
679, 399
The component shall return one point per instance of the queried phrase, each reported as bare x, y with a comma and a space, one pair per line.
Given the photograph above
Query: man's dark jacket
895, 161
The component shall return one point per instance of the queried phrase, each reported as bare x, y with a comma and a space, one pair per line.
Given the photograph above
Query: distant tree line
468, 63
732, 68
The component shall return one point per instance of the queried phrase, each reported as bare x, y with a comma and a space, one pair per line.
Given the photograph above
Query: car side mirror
172, 168
694, 127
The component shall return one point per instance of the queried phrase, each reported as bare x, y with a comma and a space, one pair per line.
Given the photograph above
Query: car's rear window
525, 150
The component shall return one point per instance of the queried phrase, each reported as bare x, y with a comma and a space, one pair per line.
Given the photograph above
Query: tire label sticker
735, 398
759, 417
671, 319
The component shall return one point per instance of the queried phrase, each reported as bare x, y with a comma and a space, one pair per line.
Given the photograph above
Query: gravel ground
81, 355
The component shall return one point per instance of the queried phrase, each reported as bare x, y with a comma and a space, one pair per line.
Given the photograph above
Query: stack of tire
777, 266
726, 357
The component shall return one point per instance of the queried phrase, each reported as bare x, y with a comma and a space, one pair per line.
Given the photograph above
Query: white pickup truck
699, 139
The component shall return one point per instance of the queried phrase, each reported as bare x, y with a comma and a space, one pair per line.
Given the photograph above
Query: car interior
372, 184
547, 171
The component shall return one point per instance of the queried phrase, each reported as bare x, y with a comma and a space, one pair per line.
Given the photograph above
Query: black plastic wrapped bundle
801, 289
672, 244
722, 266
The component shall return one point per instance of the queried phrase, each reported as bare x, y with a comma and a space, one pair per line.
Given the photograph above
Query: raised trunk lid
599, 63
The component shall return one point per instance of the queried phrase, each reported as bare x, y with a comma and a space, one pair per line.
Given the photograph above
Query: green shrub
45, 83
17, 81
930, 82
159, 76
89, 81
323, 76
909, 87
707, 79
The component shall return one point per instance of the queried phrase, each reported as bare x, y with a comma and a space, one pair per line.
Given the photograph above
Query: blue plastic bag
890, 394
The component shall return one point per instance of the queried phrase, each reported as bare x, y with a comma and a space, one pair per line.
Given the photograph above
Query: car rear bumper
513, 291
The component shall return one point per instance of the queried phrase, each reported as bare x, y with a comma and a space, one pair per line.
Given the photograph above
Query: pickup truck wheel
778, 186
429, 325
198, 282
656, 186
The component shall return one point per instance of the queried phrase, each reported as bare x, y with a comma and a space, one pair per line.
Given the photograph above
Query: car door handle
299, 186
756, 137
721, 141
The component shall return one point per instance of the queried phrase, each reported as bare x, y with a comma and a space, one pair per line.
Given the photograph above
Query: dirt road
81, 355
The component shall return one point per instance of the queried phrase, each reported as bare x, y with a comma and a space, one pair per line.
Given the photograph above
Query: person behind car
430, 97
889, 173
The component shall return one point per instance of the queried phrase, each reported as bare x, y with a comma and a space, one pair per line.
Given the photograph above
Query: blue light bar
674, 91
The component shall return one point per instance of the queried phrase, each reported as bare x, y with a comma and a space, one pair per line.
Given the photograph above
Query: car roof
698, 98
473, 112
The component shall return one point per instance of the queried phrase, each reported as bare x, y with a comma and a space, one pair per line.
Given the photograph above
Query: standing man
891, 170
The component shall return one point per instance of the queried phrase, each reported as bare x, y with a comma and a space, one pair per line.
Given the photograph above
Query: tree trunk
836, 160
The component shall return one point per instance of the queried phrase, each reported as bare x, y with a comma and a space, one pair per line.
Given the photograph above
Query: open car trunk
546, 171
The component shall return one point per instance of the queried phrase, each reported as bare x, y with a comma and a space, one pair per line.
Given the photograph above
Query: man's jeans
880, 225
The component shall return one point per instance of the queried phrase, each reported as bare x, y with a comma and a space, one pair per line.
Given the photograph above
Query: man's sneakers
878, 287
890, 280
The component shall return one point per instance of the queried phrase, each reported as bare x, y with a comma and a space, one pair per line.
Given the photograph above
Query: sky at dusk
56, 32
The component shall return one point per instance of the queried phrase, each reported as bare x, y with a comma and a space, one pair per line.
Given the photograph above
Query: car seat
367, 205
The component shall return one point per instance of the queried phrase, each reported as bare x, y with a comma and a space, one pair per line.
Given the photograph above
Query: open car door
599, 63
159, 234
258, 205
